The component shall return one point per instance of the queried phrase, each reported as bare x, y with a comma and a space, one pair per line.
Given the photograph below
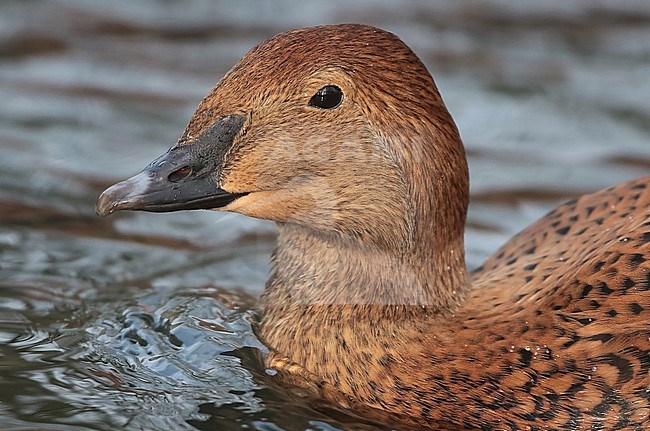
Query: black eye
327, 97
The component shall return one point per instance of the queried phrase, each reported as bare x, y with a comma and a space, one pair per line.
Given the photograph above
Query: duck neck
325, 281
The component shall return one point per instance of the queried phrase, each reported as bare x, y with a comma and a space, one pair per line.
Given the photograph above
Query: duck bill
184, 178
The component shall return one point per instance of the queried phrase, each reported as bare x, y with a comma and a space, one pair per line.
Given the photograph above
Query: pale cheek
285, 206
270, 205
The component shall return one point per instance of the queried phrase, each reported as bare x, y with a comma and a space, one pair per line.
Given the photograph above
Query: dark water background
141, 321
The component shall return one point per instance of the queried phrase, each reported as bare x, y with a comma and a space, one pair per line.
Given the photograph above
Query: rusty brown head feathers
339, 134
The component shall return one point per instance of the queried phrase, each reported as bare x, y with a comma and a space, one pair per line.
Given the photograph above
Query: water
143, 321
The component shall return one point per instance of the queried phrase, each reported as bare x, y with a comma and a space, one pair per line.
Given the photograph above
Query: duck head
338, 129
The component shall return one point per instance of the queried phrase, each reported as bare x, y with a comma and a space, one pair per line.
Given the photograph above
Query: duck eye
327, 97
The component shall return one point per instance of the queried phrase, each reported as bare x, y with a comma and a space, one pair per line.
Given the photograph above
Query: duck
339, 134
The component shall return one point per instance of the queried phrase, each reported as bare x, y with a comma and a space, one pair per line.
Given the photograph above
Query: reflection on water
143, 321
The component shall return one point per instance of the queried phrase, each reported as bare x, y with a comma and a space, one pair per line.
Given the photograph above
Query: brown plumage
370, 303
